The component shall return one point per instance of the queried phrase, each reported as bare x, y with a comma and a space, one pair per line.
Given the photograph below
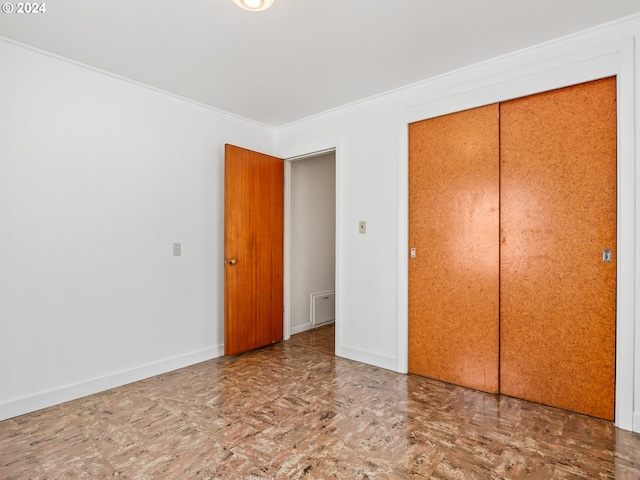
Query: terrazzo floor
293, 410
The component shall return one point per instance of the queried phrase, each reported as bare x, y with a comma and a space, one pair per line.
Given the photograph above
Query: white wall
98, 177
312, 233
371, 151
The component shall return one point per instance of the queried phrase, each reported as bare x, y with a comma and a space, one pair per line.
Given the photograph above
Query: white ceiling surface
301, 57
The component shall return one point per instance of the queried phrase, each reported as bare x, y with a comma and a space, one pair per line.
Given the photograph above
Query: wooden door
253, 250
558, 214
453, 225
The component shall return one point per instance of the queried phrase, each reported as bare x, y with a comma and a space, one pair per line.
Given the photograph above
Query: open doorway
310, 242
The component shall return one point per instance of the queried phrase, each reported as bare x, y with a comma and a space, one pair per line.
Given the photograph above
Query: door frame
288, 159
612, 59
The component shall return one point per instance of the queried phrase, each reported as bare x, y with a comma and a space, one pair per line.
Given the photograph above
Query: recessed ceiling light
254, 5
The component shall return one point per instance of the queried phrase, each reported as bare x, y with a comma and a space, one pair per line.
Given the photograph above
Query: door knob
232, 261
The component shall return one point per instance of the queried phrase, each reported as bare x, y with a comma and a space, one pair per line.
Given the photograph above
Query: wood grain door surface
519, 244
253, 250
453, 225
558, 214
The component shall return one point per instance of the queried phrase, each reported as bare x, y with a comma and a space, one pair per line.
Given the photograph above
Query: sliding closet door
558, 216
453, 227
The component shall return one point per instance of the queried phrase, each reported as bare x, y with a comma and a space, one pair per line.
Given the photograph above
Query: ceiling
301, 57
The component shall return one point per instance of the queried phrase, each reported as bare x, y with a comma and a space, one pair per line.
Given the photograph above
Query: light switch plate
177, 250
362, 226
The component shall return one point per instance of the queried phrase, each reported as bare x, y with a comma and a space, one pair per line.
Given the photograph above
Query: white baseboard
307, 326
389, 363
301, 328
71, 392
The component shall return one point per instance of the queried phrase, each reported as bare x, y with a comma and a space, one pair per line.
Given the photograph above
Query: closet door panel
558, 214
453, 225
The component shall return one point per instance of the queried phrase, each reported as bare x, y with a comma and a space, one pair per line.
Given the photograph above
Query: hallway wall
313, 234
